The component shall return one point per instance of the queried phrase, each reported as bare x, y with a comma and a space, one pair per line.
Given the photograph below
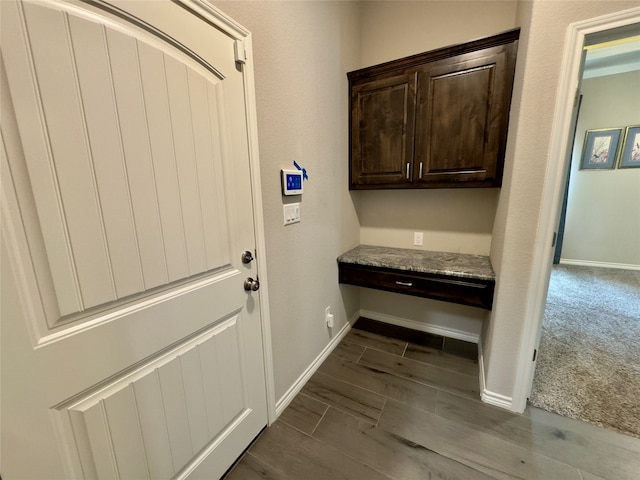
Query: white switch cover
291, 213
418, 238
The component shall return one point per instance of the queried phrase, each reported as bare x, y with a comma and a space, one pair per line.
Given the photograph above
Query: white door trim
258, 221
553, 190
237, 31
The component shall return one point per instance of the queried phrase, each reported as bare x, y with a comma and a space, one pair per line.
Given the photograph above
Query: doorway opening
554, 187
585, 367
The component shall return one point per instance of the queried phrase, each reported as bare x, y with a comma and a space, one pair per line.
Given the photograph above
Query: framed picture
600, 149
631, 148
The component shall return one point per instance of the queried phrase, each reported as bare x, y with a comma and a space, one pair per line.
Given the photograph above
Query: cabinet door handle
404, 284
420, 174
408, 170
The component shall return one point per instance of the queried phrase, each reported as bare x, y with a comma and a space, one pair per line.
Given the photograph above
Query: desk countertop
422, 261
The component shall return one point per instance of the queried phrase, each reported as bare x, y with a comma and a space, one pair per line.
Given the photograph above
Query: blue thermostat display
291, 182
294, 182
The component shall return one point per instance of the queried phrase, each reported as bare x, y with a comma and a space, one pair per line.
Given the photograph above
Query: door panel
112, 215
383, 123
160, 415
126, 206
465, 100
470, 91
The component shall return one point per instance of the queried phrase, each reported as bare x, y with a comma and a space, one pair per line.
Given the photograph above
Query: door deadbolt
247, 257
251, 285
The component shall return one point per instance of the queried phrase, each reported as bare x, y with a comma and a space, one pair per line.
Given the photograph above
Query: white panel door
130, 348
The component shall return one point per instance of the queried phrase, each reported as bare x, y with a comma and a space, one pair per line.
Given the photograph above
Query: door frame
565, 197
243, 39
553, 190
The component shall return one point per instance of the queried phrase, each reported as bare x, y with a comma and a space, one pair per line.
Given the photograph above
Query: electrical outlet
418, 238
328, 317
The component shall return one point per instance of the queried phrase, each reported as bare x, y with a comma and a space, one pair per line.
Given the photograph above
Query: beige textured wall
395, 29
453, 220
443, 318
603, 210
539, 62
302, 51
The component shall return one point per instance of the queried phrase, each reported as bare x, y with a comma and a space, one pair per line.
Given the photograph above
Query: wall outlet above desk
418, 238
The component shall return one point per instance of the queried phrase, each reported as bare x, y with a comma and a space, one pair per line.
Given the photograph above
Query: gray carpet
589, 357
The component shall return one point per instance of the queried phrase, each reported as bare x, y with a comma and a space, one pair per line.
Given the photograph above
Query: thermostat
291, 182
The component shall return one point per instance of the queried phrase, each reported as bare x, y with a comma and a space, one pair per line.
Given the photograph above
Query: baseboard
436, 330
497, 400
286, 399
481, 367
492, 398
588, 263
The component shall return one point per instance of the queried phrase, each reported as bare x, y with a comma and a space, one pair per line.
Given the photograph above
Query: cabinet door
462, 118
382, 126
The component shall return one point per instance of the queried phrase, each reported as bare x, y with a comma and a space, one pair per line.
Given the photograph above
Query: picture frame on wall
600, 149
630, 156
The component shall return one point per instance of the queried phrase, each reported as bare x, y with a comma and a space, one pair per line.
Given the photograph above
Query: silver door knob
247, 257
251, 285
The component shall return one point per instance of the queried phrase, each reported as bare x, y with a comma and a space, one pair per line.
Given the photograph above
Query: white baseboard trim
497, 400
487, 396
286, 399
588, 263
481, 367
412, 324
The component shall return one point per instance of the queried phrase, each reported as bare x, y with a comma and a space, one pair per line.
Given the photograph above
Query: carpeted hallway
588, 364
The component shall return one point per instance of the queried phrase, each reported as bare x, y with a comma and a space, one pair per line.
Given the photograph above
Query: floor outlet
418, 238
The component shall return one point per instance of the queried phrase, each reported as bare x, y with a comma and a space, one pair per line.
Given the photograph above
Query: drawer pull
404, 284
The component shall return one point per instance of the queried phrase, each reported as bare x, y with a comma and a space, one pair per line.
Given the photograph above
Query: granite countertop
423, 261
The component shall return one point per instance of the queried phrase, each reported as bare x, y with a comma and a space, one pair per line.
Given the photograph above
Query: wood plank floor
382, 408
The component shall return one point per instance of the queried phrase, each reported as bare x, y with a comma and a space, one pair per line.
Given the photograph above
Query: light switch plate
291, 213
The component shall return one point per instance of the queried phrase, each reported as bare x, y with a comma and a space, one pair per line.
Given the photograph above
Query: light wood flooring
382, 408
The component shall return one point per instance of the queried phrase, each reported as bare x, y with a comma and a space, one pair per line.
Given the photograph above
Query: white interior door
130, 348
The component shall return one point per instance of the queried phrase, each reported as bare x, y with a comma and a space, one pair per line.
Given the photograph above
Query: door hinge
555, 237
535, 352
239, 51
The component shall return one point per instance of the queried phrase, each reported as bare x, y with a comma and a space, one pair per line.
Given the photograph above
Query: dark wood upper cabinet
382, 129
433, 120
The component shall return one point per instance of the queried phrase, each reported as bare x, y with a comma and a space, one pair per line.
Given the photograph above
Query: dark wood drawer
466, 291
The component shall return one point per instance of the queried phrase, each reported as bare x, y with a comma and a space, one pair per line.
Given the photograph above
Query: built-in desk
452, 277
